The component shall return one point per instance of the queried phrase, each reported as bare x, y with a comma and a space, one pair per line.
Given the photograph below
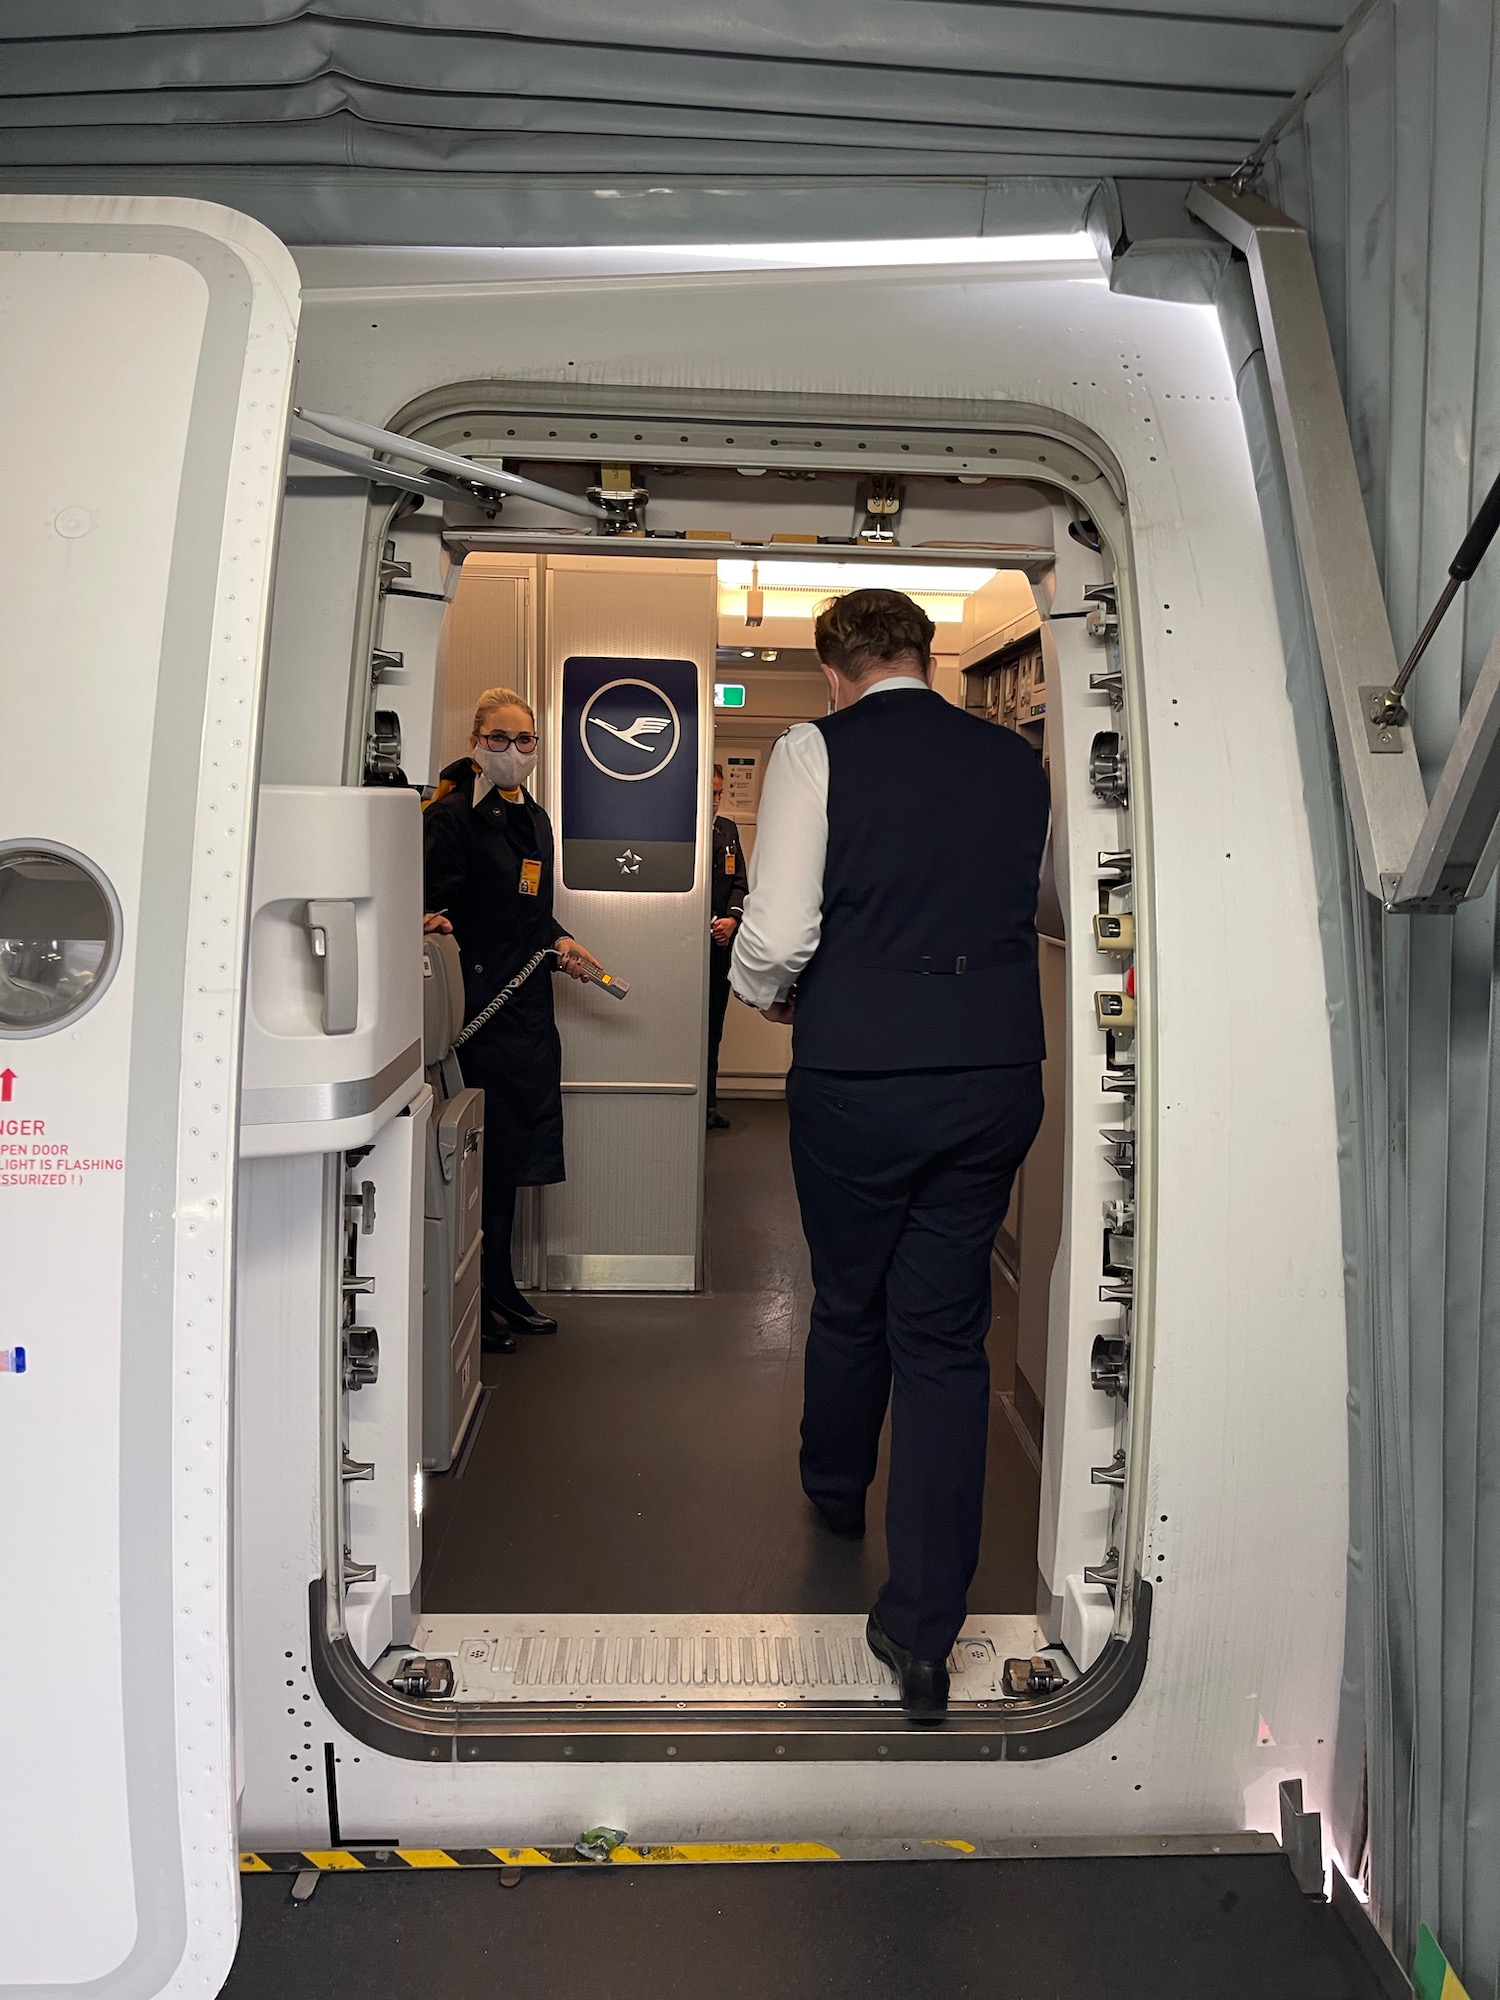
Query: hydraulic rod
372, 469
451, 464
1470, 554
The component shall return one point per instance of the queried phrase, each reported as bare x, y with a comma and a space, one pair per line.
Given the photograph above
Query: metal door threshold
754, 1659
531, 1688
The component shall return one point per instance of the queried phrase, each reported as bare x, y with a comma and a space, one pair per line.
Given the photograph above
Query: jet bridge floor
644, 1460
1098, 1927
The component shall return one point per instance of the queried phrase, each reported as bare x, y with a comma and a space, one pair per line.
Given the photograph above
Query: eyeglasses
498, 740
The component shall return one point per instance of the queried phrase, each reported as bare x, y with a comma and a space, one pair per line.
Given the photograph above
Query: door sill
623, 1724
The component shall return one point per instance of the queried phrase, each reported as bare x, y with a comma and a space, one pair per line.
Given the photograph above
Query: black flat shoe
924, 1683
848, 1526
494, 1337
526, 1322
717, 1122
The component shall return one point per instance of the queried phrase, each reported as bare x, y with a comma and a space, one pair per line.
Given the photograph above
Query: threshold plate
780, 1660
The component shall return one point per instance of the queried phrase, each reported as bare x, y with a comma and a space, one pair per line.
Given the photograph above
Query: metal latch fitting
426, 1679
1033, 1677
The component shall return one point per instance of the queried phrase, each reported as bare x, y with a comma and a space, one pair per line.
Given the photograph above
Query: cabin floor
1171, 1927
644, 1459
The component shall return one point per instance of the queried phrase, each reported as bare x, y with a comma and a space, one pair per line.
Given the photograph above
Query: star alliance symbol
630, 862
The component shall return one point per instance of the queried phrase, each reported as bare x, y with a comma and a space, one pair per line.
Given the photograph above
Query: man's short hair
718, 770
863, 629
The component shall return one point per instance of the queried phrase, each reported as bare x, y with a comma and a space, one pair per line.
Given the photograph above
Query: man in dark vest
892, 920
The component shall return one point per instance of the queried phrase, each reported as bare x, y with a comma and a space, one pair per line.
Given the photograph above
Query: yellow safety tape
334, 1859
730, 1850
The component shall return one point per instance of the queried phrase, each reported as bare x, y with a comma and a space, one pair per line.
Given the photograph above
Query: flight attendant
726, 901
488, 879
892, 920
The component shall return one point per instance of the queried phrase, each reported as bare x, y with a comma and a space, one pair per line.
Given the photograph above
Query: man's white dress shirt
783, 918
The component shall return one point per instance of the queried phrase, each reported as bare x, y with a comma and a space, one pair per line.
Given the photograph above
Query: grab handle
335, 940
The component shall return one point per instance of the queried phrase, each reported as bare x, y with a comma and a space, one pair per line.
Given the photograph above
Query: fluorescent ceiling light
1070, 249
930, 579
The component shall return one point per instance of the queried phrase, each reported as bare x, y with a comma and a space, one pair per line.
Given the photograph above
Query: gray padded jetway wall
1394, 170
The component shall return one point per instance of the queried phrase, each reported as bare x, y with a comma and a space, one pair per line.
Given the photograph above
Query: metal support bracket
1457, 847
1301, 1838
1384, 785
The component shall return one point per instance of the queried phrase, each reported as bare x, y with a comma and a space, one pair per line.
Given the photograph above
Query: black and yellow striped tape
396, 1859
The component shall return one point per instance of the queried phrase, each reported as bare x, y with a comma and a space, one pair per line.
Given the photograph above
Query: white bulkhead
132, 680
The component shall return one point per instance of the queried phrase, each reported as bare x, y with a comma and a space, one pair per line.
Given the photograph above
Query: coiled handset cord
487, 1014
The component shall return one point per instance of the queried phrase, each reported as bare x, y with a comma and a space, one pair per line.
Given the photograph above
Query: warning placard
31, 1157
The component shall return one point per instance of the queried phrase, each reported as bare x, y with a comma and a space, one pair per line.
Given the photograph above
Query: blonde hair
494, 698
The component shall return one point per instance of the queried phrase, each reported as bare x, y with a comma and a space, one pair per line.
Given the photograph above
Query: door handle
335, 941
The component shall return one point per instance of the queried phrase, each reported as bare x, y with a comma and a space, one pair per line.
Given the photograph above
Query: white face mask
505, 768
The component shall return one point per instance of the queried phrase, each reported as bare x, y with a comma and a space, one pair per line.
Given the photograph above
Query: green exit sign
729, 694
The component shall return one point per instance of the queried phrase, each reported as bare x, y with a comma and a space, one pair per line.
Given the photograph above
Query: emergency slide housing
234, 1160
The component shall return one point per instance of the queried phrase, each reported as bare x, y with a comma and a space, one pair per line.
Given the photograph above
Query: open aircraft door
146, 354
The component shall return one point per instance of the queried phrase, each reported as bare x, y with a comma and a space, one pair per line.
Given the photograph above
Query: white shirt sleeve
783, 917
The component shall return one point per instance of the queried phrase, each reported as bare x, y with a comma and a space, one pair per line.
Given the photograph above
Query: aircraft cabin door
146, 352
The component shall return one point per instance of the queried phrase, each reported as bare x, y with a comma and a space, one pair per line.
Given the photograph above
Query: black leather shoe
717, 1122
494, 1336
924, 1683
527, 1322
848, 1525
506, 1319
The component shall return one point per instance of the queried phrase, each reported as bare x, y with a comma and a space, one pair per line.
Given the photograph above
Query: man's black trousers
904, 1179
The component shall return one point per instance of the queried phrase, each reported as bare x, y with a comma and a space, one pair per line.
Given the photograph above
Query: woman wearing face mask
488, 879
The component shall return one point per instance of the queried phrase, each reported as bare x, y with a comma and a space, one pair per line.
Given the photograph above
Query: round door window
59, 936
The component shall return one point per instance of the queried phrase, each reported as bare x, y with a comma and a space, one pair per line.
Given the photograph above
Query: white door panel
145, 361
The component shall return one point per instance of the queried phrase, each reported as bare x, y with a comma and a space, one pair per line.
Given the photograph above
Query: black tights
500, 1287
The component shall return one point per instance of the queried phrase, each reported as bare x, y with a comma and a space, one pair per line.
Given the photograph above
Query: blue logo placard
630, 776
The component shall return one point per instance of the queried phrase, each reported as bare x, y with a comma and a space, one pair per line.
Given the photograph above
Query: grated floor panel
775, 1659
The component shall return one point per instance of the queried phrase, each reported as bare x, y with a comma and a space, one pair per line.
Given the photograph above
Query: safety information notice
29, 1158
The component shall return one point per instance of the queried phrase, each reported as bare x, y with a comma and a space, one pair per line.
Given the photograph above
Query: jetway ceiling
459, 123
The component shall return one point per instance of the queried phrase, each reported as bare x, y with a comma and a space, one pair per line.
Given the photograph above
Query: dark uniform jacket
475, 869
730, 883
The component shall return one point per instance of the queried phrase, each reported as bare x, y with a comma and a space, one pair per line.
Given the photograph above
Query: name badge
531, 877
729, 861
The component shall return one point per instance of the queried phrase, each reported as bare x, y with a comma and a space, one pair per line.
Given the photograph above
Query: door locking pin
363, 1205
361, 1357
1108, 769
1109, 1364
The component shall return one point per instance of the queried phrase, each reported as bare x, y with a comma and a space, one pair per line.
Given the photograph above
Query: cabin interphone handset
615, 987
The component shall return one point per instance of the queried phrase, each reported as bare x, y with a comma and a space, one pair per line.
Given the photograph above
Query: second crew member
488, 878
727, 900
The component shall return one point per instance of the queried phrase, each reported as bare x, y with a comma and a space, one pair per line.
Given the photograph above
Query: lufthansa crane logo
630, 730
